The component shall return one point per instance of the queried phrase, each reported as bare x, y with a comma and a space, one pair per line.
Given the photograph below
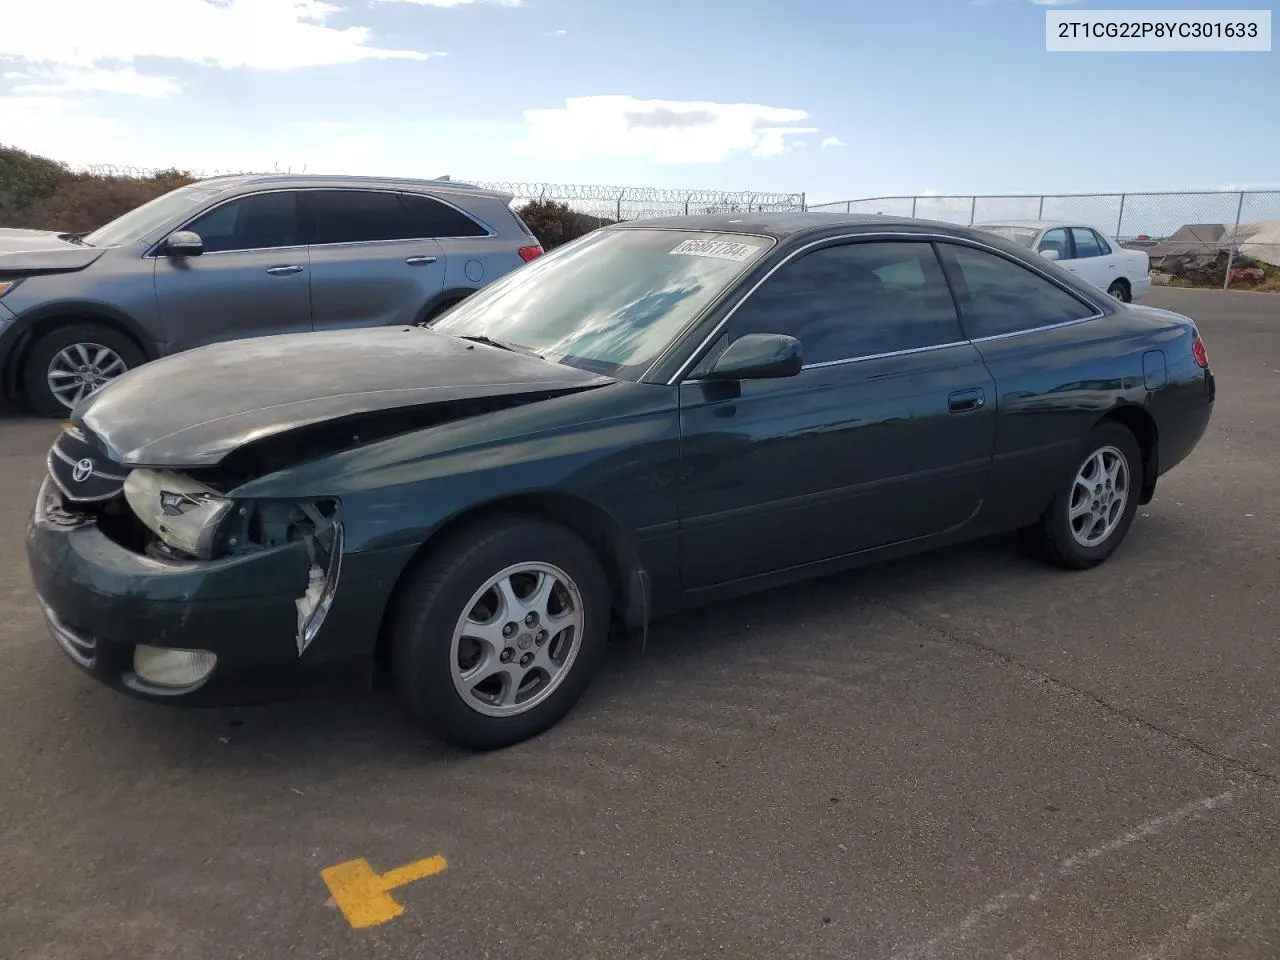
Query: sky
839, 100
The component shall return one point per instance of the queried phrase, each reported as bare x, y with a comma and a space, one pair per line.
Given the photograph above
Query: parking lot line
364, 896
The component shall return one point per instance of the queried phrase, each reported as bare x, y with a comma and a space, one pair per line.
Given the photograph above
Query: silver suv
241, 256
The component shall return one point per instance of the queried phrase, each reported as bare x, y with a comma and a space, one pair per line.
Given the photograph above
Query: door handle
964, 401
420, 261
285, 271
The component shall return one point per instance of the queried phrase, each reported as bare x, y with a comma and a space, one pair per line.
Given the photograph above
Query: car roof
1035, 224
786, 225
239, 181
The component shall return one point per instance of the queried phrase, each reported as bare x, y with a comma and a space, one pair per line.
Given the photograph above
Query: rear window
1023, 236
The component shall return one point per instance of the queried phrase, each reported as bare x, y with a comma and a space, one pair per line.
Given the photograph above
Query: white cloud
1054, 3
56, 127
65, 79
561, 33
103, 39
455, 3
832, 143
322, 126
664, 131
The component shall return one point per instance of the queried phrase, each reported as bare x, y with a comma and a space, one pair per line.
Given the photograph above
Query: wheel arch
1142, 425
36, 323
608, 540
442, 301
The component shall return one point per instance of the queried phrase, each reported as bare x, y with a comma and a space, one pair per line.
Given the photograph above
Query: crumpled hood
42, 251
192, 409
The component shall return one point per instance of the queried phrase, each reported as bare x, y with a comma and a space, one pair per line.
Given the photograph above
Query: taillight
530, 253
1198, 351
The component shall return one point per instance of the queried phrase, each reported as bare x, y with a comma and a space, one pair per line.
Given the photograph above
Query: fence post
686, 204
913, 206
1235, 239
973, 210
848, 206
1120, 219
1040, 215
804, 203
621, 193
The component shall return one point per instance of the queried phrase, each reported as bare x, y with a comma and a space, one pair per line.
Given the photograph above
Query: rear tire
79, 359
1093, 509
1120, 290
496, 636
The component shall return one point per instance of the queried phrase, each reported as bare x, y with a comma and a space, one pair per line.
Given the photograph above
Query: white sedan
1125, 274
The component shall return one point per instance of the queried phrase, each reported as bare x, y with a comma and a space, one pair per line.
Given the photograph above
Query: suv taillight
530, 253
1198, 351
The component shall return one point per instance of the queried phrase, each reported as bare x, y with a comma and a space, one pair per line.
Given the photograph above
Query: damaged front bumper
255, 624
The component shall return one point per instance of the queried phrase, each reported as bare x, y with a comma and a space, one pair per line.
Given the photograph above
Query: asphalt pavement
964, 755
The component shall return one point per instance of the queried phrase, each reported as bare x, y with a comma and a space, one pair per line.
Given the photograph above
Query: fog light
166, 667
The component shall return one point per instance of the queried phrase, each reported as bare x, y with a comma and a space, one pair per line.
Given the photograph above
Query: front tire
497, 635
70, 363
1092, 511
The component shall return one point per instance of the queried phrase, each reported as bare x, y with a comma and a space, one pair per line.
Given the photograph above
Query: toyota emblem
82, 470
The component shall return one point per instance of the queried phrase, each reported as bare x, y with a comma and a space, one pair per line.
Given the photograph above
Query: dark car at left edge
657, 415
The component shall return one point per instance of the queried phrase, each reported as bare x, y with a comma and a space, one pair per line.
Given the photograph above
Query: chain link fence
637, 203
1213, 238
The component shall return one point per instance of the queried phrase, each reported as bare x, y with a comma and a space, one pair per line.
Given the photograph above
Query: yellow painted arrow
364, 896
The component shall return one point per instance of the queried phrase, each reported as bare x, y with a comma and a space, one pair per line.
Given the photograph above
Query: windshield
1025, 236
141, 221
610, 302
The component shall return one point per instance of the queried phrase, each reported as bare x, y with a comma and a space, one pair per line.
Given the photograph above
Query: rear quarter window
432, 218
998, 296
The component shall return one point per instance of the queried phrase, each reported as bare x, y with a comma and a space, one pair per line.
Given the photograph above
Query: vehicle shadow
317, 737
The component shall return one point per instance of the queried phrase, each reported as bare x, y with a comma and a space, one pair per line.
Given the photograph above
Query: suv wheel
69, 363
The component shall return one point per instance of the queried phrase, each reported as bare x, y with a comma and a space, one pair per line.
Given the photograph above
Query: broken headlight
182, 512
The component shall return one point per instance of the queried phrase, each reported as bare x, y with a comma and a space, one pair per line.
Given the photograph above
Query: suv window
855, 300
998, 296
1056, 240
1086, 243
432, 218
257, 222
358, 216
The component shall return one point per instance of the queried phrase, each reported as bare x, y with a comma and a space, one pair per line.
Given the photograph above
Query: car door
885, 435
250, 280
369, 265
1090, 263
1032, 333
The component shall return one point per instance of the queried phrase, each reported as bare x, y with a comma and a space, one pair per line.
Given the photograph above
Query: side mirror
184, 243
1049, 254
759, 356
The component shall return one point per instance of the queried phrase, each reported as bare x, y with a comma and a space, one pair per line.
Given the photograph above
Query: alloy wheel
517, 639
1099, 495
80, 369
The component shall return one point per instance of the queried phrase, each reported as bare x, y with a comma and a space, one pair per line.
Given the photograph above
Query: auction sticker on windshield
719, 249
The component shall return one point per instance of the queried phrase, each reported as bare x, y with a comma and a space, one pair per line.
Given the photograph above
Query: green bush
553, 223
41, 194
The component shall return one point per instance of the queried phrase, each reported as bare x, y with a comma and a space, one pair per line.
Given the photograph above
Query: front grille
81, 471
80, 647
